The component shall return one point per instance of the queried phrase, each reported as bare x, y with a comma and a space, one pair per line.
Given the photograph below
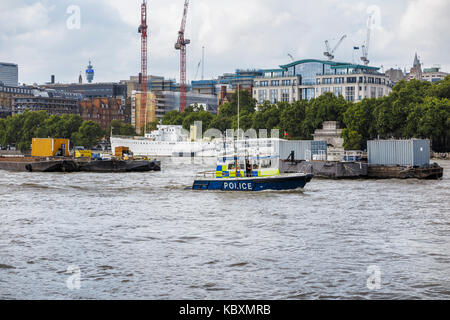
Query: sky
45, 37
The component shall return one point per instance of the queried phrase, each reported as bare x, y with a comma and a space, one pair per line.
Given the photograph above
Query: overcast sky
236, 33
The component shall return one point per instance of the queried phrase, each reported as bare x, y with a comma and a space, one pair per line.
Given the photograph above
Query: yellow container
83, 154
49, 147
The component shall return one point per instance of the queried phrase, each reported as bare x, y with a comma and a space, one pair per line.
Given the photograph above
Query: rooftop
333, 64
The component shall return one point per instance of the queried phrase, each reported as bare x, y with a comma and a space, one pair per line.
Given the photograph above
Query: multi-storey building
141, 116
8, 93
243, 79
55, 103
103, 111
9, 74
310, 78
92, 90
428, 74
433, 74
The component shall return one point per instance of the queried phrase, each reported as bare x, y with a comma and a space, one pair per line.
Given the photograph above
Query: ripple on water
144, 235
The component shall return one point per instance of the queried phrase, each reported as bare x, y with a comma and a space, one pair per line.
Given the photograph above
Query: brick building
103, 111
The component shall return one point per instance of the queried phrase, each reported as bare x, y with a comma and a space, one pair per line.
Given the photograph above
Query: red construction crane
181, 45
143, 76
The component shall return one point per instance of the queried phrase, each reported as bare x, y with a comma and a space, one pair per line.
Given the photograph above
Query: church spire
416, 61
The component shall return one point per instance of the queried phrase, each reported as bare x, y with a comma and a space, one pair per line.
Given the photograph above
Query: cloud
236, 34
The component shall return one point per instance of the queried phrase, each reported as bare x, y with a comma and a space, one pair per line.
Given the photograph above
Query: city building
54, 102
139, 116
433, 74
154, 83
9, 74
395, 75
171, 101
310, 78
428, 74
92, 90
416, 70
7, 93
244, 79
103, 111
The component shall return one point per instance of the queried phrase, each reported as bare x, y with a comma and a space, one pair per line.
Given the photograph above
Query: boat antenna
238, 111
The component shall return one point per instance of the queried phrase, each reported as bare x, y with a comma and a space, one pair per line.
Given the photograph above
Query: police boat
249, 174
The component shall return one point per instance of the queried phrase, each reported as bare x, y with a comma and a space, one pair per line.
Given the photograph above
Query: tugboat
255, 174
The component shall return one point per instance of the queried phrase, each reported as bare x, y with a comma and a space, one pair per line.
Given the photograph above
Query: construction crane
181, 45
143, 76
330, 53
365, 47
198, 68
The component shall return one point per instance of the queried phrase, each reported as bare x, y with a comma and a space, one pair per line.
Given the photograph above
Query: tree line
20, 129
414, 109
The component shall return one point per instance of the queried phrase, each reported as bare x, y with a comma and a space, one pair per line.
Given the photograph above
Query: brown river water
144, 236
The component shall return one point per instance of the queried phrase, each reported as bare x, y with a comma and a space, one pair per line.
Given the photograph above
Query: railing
206, 174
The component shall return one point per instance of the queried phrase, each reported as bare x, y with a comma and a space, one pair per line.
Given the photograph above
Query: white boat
166, 141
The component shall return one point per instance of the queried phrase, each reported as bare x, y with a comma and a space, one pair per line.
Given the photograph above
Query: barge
77, 165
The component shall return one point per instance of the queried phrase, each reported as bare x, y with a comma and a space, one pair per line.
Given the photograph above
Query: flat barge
32, 164
431, 172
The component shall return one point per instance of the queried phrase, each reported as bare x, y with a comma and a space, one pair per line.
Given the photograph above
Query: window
326, 89
373, 92
350, 93
286, 83
370, 80
275, 83
273, 95
262, 96
318, 81
327, 81
351, 80
337, 91
380, 92
339, 80
285, 95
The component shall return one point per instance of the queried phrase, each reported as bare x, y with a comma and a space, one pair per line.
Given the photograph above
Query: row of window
276, 83
308, 93
15, 90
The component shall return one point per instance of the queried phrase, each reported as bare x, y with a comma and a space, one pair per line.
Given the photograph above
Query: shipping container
415, 153
49, 147
303, 149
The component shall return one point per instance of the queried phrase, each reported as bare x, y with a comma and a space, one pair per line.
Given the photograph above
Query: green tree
221, 123
173, 118
292, 118
435, 122
326, 107
358, 118
441, 89
3, 132
204, 116
352, 139
245, 121
88, 135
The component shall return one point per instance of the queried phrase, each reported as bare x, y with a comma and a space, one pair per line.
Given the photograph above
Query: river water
143, 236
